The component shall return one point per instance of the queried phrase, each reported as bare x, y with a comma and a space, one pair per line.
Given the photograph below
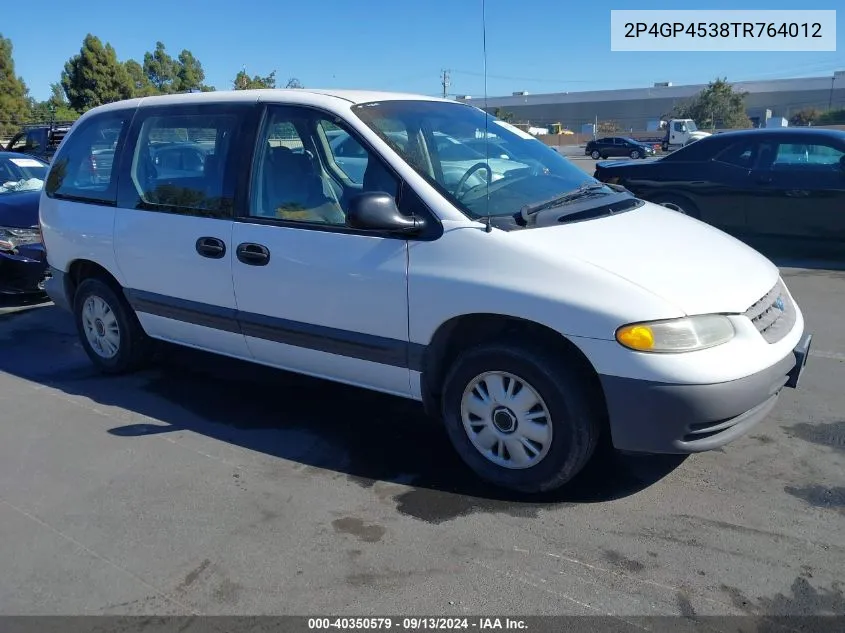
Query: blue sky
533, 45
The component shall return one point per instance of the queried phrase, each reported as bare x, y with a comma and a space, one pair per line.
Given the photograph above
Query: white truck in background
681, 132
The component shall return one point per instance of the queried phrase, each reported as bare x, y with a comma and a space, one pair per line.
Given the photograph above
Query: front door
314, 296
801, 190
173, 227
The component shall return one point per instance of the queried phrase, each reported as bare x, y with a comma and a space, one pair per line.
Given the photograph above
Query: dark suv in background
40, 141
618, 146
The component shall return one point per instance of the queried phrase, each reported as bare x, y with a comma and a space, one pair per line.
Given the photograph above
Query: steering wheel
470, 172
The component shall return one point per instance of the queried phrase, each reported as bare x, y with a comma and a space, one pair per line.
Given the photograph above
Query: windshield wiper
580, 192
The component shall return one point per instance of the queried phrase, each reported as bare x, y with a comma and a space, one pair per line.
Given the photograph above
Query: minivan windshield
481, 164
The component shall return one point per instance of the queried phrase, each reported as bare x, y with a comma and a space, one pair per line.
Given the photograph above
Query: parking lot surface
206, 485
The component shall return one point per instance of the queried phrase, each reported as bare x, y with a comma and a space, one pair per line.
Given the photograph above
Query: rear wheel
521, 418
595, 155
108, 328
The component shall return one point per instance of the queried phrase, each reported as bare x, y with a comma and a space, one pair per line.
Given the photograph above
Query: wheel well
671, 195
470, 330
82, 269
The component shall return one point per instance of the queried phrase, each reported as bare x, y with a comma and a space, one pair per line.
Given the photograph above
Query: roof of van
275, 95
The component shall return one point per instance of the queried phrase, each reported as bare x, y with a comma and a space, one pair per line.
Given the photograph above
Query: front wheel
635, 154
108, 329
678, 204
520, 417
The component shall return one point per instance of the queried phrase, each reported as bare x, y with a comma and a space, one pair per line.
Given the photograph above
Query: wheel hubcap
506, 420
101, 329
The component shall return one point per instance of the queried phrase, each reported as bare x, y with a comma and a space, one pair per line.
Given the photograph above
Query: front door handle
253, 254
211, 247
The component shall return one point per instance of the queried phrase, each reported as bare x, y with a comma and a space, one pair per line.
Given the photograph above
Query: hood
687, 263
700, 134
19, 210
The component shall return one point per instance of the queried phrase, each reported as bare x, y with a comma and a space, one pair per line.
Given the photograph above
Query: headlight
11, 238
687, 334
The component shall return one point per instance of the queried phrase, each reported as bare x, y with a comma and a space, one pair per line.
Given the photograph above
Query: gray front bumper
652, 417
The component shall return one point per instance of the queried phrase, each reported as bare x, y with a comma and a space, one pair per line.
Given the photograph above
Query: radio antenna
488, 228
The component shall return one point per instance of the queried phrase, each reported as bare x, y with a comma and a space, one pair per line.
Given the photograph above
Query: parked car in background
618, 146
180, 159
780, 182
22, 262
40, 141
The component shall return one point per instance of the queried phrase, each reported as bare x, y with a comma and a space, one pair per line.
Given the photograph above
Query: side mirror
377, 211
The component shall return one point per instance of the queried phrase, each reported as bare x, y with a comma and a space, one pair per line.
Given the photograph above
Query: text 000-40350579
683, 30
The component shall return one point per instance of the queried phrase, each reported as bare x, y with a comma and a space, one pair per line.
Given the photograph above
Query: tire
679, 204
568, 399
604, 156
96, 301
635, 154
595, 155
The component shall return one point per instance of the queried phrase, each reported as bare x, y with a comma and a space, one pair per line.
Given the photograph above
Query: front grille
774, 314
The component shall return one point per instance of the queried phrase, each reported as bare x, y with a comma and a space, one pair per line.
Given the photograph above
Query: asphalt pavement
209, 486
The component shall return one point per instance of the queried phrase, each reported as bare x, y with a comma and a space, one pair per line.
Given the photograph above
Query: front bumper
22, 272
652, 417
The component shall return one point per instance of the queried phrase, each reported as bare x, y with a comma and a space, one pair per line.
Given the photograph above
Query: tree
503, 115
718, 105
55, 108
244, 82
161, 69
608, 127
141, 84
94, 76
832, 117
14, 102
293, 82
189, 73
807, 116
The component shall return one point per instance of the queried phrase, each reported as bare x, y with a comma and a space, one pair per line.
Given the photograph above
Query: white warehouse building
635, 108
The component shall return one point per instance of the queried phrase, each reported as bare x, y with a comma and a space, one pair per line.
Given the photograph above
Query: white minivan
534, 310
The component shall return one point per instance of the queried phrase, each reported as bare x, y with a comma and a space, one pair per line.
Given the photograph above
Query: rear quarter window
84, 169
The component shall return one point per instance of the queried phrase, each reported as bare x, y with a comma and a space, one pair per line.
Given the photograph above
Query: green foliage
189, 72
293, 82
14, 102
608, 127
94, 76
141, 84
244, 82
807, 116
503, 115
161, 69
718, 105
832, 117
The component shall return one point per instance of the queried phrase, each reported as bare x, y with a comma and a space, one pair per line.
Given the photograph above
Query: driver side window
308, 169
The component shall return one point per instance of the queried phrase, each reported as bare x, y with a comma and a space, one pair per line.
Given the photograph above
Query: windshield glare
691, 127
481, 164
21, 173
